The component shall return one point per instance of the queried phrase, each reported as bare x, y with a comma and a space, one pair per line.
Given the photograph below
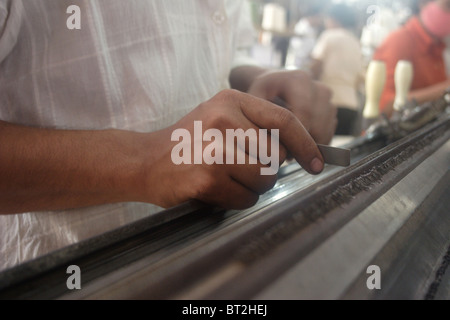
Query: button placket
218, 17
220, 33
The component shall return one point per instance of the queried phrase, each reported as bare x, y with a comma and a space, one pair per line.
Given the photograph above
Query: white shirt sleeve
10, 22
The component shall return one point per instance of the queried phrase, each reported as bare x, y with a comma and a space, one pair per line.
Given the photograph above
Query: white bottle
375, 81
404, 73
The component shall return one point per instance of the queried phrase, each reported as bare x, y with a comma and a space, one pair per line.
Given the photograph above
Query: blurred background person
420, 41
338, 63
307, 30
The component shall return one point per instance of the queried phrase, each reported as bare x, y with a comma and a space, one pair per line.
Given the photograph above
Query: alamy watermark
228, 149
374, 280
74, 20
375, 13
74, 280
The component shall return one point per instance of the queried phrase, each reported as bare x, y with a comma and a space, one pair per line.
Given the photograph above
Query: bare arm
421, 96
430, 93
51, 169
56, 170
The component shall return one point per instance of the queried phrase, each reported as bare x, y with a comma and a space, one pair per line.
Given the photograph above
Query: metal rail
201, 252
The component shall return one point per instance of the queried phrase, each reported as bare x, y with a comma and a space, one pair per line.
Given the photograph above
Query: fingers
300, 96
252, 170
293, 135
250, 175
218, 188
325, 116
256, 160
234, 187
314, 110
308, 100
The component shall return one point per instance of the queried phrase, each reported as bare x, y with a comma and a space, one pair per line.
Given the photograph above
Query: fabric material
136, 65
414, 44
342, 64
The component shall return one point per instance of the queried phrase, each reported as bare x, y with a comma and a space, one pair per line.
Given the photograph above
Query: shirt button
218, 17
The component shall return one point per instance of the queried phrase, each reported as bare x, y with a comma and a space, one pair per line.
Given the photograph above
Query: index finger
293, 134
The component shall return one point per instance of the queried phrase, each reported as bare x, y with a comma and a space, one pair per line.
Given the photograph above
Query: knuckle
302, 75
283, 118
228, 95
299, 77
218, 120
203, 107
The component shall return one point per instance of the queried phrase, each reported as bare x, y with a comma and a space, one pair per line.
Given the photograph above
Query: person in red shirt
420, 41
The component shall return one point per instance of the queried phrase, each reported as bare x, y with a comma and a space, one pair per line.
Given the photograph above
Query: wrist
127, 166
147, 174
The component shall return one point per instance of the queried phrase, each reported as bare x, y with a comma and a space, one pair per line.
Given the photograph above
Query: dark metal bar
414, 258
309, 216
179, 250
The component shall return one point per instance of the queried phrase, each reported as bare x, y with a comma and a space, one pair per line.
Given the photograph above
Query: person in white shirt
86, 116
338, 63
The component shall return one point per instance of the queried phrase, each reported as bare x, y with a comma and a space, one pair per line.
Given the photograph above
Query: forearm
54, 169
430, 93
241, 78
421, 96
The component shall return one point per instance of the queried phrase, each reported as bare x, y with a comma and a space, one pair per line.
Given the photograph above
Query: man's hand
228, 186
308, 100
43, 170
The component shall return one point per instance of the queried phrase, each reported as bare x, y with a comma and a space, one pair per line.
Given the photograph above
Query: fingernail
317, 165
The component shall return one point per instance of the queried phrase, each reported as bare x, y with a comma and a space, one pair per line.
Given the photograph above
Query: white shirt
342, 64
136, 65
